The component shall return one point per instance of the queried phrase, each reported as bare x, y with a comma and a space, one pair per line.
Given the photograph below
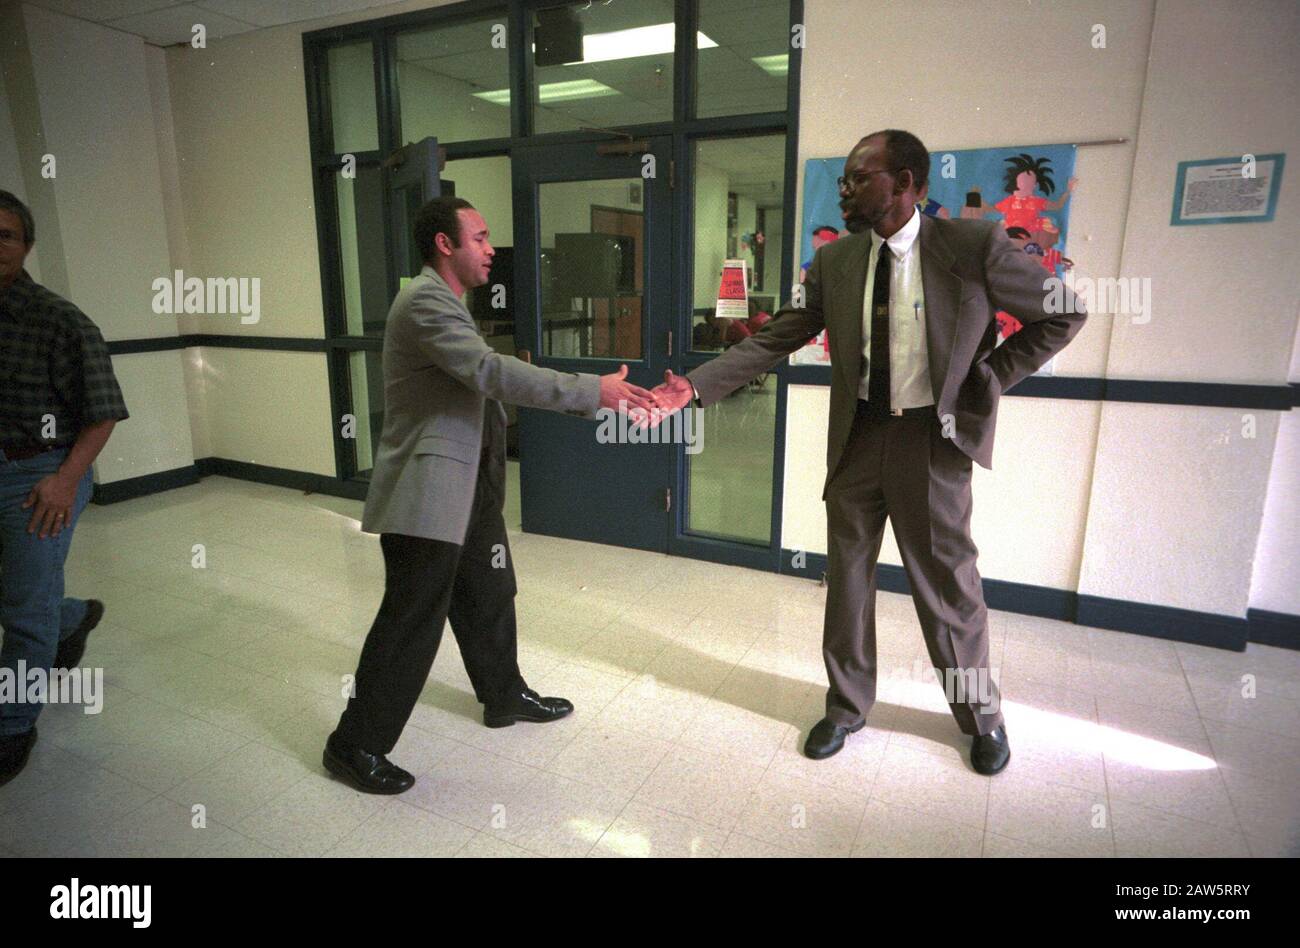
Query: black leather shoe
526, 705
826, 739
369, 773
74, 646
989, 753
14, 751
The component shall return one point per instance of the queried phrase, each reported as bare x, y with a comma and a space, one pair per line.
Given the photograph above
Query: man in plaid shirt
59, 402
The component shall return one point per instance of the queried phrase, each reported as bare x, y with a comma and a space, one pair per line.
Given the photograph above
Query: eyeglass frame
853, 185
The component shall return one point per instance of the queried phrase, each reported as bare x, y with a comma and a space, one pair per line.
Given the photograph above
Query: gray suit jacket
969, 270
443, 388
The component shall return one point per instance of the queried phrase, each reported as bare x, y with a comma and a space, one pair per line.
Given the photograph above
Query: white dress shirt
909, 365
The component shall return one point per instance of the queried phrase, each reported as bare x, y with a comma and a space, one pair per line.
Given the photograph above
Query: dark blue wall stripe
283, 477
132, 487
1274, 628
1194, 394
167, 343
1164, 622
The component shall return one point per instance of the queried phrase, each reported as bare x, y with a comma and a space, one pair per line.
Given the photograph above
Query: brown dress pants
904, 468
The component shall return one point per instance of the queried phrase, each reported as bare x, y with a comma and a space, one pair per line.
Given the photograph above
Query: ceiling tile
175, 24
99, 11
277, 12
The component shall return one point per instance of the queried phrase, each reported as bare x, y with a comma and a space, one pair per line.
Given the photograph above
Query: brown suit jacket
970, 270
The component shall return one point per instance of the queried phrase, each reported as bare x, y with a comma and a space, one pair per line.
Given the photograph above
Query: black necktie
878, 364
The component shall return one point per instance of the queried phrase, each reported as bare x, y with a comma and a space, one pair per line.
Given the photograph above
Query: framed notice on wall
1227, 190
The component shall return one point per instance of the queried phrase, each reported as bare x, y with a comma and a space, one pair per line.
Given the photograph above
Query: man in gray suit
908, 303
436, 497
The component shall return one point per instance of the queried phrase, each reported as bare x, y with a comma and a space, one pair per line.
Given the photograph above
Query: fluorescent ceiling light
639, 41
629, 44
778, 65
573, 89
496, 96
555, 91
606, 47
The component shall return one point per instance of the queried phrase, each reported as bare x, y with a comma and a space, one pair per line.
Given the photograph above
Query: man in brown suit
908, 303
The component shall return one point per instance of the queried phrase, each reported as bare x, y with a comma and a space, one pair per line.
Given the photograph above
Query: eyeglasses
857, 179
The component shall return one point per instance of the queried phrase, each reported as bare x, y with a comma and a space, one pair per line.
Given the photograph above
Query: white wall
157, 436
1274, 585
1178, 496
1031, 510
23, 137
1150, 503
244, 171
11, 170
101, 215
96, 118
240, 114
269, 408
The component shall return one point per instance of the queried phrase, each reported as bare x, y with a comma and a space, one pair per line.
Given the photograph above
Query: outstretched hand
671, 395
674, 393
618, 394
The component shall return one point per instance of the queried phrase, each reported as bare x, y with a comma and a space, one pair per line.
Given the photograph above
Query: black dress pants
427, 582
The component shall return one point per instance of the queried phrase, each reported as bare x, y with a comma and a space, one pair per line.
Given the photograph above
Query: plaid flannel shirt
55, 364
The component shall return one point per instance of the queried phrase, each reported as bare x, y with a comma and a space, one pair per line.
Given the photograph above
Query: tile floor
694, 684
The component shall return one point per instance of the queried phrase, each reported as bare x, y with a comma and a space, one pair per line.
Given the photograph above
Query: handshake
646, 408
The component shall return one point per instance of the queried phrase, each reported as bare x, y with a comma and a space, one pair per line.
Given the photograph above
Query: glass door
593, 266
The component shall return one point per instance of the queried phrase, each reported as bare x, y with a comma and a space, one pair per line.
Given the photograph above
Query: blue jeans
33, 611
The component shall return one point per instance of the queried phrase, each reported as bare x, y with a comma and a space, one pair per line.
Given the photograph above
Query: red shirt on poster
1021, 211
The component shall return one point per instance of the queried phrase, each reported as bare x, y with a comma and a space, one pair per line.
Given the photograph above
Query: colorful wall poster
1025, 188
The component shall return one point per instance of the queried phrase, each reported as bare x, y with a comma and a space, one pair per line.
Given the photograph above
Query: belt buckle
896, 412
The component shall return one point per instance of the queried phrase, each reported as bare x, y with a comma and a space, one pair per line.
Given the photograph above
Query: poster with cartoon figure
1026, 189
